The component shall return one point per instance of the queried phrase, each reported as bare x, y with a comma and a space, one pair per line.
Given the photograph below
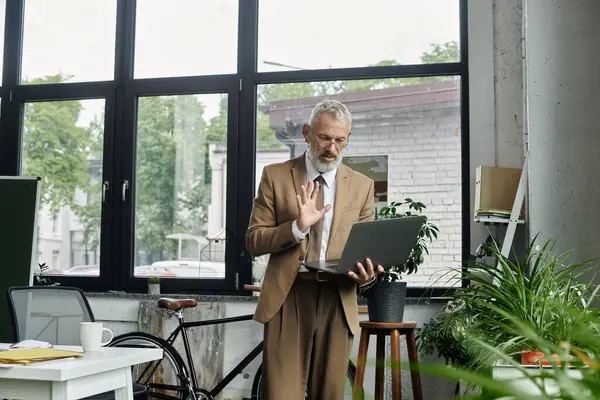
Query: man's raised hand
307, 204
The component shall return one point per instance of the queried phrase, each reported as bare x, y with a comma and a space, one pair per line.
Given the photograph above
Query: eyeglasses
324, 141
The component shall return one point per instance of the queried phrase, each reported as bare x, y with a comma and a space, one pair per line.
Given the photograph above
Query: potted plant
571, 374
446, 336
542, 293
154, 285
485, 251
387, 298
40, 279
539, 290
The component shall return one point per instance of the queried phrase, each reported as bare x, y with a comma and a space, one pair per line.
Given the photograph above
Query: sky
199, 37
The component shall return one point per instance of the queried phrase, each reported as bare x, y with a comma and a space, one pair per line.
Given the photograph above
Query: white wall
481, 98
508, 82
496, 97
563, 81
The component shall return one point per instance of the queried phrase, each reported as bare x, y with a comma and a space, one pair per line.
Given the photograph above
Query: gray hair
338, 109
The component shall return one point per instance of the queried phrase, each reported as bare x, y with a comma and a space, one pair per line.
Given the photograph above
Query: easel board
19, 205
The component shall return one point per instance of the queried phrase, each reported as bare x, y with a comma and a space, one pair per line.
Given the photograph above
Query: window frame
121, 95
102, 282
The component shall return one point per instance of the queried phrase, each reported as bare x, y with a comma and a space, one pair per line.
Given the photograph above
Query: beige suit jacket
270, 231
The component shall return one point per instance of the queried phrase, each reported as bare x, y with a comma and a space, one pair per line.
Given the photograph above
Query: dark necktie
316, 231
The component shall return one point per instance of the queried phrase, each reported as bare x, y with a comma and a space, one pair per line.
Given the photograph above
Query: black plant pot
386, 301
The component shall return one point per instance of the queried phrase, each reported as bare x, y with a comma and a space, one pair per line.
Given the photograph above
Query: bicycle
182, 383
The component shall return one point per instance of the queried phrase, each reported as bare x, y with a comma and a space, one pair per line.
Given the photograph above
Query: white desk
74, 378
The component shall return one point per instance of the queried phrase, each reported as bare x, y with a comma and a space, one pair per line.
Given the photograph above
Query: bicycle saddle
176, 305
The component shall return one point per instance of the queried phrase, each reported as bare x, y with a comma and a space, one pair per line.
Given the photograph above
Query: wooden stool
381, 329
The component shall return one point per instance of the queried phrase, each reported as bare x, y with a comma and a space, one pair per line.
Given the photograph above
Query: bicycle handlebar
252, 288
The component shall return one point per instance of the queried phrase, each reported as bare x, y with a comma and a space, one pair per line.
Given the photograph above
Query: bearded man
304, 210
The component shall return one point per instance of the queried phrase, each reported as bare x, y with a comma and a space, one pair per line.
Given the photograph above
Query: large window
190, 37
150, 123
315, 34
180, 196
63, 144
405, 136
69, 40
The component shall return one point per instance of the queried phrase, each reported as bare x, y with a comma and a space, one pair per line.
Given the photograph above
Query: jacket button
301, 258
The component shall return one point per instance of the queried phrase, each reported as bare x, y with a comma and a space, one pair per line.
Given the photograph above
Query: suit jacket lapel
341, 200
299, 174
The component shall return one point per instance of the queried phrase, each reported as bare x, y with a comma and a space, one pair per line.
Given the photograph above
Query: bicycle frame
184, 326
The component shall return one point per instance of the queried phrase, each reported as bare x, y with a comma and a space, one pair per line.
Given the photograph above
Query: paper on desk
28, 356
31, 344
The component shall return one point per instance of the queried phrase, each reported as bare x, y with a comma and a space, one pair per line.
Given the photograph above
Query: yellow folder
28, 356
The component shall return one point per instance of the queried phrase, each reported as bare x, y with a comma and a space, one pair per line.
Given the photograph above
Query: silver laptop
386, 242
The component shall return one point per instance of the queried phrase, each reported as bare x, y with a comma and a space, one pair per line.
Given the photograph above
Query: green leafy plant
427, 234
539, 291
153, 280
445, 335
572, 374
517, 306
42, 280
486, 249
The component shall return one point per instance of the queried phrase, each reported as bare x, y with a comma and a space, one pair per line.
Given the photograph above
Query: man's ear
305, 131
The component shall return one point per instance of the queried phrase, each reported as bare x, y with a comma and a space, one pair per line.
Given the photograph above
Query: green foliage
558, 381
277, 92
265, 136
89, 214
428, 233
40, 279
170, 136
55, 148
447, 52
539, 292
153, 280
446, 335
155, 173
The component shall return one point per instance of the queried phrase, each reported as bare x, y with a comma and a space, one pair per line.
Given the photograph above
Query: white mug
90, 335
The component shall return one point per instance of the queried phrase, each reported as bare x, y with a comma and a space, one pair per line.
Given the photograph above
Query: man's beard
321, 166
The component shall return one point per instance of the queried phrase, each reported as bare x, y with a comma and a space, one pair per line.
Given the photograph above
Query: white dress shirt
328, 198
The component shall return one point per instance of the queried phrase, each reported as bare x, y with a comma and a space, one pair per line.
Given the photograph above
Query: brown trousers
307, 345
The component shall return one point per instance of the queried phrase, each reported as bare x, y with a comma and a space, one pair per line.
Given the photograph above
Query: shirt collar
312, 173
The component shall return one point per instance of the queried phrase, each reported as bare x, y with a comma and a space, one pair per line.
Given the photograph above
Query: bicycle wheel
347, 391
166, 378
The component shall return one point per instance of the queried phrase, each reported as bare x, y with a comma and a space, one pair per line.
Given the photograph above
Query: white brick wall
423, 148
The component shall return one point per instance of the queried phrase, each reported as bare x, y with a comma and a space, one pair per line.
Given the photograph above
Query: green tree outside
446, 52
55, 148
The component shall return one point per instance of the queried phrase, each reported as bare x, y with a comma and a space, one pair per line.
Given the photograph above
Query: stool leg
413, 358
363, 348
396, 383
380, 365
